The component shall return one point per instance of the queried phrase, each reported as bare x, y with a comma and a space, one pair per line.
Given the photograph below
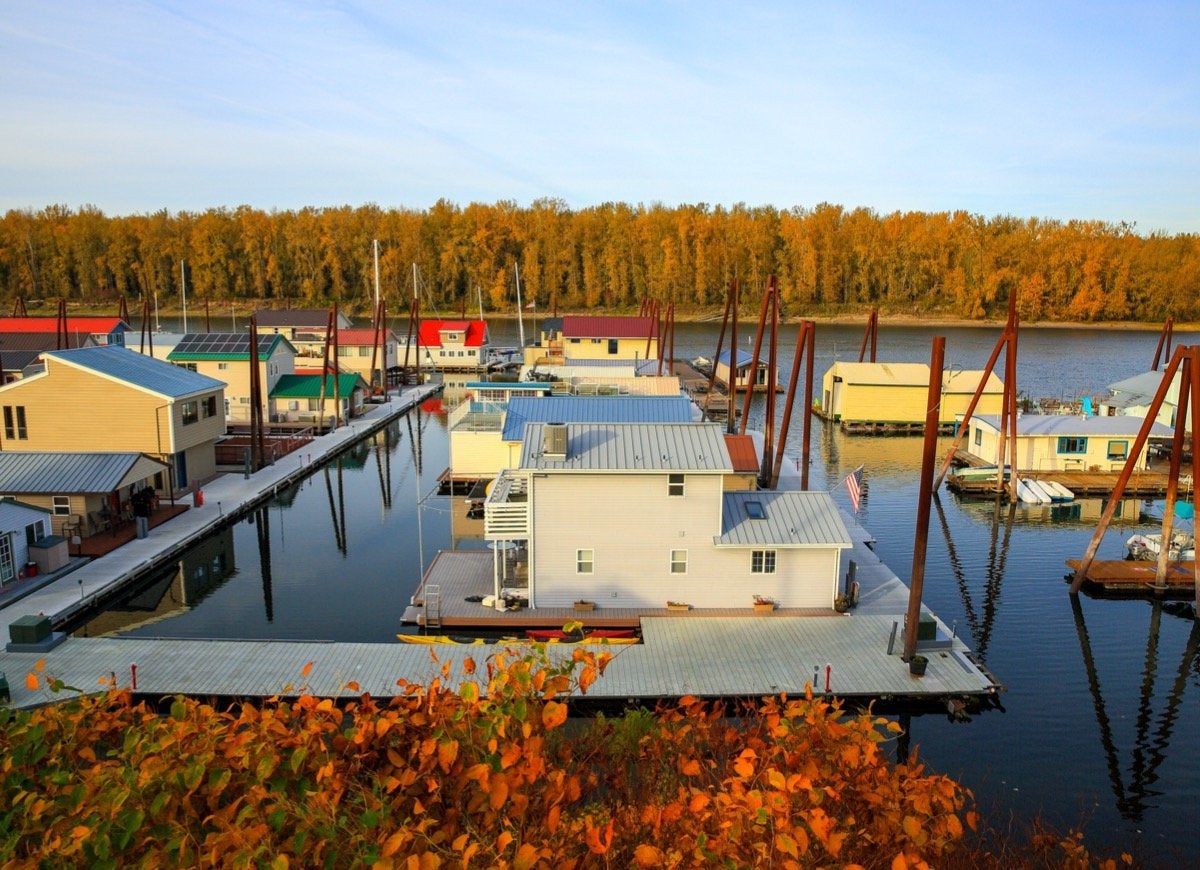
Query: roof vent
554, 441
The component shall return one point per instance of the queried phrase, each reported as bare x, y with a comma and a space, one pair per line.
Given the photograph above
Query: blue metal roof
133, 368
593, 409
743, 358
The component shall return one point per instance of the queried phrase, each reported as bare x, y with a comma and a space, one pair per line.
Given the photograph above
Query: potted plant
678, 605
841, 604
582, 605
917, 665
763, 604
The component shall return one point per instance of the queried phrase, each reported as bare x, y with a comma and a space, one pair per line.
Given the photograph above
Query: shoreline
714, 317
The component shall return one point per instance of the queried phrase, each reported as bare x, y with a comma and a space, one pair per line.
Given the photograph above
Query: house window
1072, 444
762, 562
222, 366
1118, 449
293, 405
62, 505
190, 411
679, 561
210, 406
344, 351
675, 484
584, 561
364, 351
612, 345
191, 367
14, 422
978, 437
574, 340
34, 532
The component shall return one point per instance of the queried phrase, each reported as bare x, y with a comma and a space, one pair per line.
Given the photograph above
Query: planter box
766, 607
679, 607
585, 606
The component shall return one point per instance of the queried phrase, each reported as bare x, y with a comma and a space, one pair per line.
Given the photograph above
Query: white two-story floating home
636, 515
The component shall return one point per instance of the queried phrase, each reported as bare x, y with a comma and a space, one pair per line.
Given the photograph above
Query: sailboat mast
183, 292
520, 319
376, 245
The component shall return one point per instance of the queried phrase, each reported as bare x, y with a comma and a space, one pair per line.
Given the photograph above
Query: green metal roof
309, 386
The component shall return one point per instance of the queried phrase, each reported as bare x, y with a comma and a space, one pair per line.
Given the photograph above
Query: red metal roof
430, 336
103, 325
742, 453
587, 326
357, 336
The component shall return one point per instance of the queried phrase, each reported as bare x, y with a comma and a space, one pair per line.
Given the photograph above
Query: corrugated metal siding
60, 473
594, 409
632, 447
793, 519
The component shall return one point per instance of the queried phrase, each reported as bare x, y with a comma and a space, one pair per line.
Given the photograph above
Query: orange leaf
691, 767
499, 793
31, 681
503, 841
468, 665
306, 670
785, 843
698, 802
899, 862
647, 856
911, 826
554, 714
393, 843
526, 857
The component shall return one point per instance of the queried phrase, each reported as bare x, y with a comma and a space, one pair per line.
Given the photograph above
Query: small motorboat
1056, 491
1147, 547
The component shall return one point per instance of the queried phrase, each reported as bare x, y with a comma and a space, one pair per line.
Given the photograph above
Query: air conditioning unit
554, 441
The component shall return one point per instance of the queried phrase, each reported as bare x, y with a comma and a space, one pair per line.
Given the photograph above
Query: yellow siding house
110, 399
1062, 442
881, 395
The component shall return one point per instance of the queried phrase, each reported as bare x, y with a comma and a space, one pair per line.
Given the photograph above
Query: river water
1102, 711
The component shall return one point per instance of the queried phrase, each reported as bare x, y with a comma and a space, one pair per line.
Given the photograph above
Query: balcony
506, 509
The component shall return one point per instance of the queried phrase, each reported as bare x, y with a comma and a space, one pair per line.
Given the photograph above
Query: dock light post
80, 588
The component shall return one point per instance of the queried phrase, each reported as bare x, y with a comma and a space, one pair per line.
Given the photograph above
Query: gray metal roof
593, 409
62, 473
632, 447
790, 519
1044, 425
150, 374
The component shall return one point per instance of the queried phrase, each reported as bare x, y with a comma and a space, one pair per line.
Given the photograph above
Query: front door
8, 571
181, 477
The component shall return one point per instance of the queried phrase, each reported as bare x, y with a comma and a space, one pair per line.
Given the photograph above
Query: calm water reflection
1102, 712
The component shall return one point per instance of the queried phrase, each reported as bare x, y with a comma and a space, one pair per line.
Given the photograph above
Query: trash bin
198, 497
31, 569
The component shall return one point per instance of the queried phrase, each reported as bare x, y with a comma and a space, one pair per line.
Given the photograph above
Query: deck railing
506, 512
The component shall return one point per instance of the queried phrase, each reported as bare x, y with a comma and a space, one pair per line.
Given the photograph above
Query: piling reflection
262, 523
170, 591
981, 621
1152, 735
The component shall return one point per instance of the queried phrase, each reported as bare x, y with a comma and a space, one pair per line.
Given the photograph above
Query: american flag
854, 486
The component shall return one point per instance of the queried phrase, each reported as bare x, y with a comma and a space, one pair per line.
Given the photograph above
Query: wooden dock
1136, 577
1142, 484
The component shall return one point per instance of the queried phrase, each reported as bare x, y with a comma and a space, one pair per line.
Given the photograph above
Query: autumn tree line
827, 259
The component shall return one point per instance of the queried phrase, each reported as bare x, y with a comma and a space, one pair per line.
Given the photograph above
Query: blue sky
1049, 110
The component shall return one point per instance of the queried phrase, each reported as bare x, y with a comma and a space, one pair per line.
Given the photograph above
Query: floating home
488, 437
225, 356
583, 337
1132, 397
743, 366
1056, 442
892, 397
290, 322
85, 330
448, 345
638, 515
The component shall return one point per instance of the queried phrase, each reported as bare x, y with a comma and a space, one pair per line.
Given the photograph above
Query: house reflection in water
170, 591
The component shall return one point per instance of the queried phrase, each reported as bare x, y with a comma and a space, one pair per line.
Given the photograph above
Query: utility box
50, 553
927, 628
29, 629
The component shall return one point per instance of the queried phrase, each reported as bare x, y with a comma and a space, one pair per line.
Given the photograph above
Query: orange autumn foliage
460, 773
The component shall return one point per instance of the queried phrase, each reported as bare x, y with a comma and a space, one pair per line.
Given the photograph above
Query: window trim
764, 561
60, 505
676, 563
676, 485
1074, 445
588, 565
189, 412
1124, 454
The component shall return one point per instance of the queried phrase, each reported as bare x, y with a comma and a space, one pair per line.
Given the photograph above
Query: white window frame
62, 505
676, 485
763, 561
679, 561
585, 564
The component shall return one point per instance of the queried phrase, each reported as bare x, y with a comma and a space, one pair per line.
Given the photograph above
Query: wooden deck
104, 542
1141, 484
1135, 577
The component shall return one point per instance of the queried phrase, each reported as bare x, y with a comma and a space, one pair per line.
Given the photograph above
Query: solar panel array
222, 343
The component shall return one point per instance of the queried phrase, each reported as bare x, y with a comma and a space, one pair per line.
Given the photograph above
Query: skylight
754, 510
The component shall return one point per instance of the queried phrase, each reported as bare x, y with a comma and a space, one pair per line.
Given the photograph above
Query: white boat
1029, 492
1057, 491
1147, 547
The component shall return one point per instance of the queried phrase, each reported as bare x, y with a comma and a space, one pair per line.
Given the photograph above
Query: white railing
506, 515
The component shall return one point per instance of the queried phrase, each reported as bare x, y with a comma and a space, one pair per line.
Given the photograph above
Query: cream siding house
635, 515
1057, 442
744, 359
288, 322
898, 394
1133, 397
110, 399
582, 337
20, 525
225, 356
298, 398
